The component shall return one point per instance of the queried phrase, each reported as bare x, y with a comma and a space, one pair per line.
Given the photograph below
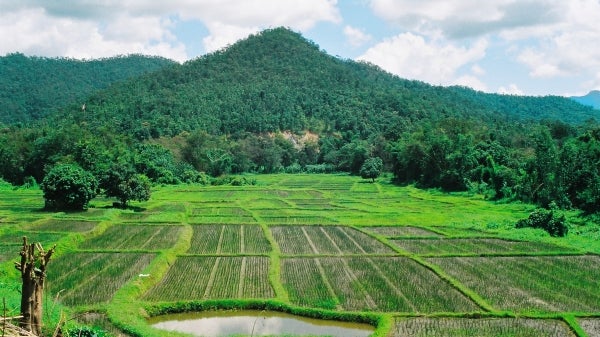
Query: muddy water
256, 323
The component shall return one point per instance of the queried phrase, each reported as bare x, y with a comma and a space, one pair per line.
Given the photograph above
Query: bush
68, 187
547, 219
85, 331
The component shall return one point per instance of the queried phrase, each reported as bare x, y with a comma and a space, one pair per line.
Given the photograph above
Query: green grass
323, 245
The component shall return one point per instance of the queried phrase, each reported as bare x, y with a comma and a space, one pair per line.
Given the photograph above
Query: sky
517, 47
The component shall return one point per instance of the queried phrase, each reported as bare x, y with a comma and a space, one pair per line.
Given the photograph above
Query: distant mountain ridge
272, 81
33, 87
277, 80
591, 99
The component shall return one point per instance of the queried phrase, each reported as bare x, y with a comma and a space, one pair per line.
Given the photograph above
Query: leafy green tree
122, 182
135, 188
371, 168
208, 153
352, 155
68, 187
156, 162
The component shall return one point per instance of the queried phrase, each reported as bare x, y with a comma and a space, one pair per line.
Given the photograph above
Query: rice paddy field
422, 263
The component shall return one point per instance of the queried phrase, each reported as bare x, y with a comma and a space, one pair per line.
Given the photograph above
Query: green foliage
33, 87
68, 187
121, 181
85, 331
247, 107
371, 168
547, 219
135, 188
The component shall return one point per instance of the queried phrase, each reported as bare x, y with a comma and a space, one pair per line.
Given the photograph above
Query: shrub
547, 219
85, 331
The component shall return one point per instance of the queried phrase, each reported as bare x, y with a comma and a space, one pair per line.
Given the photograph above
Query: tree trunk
33, 274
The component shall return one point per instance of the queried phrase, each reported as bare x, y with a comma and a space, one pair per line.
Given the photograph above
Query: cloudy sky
531, 47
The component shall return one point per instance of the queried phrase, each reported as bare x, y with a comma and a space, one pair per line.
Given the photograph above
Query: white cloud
477, 70
569, 48
465, 18
356, 37
512, 89
471, 82
83, 28
412, 56
229, 20
225, 35
553, 39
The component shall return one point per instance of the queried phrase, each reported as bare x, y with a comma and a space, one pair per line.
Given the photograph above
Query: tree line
552, 162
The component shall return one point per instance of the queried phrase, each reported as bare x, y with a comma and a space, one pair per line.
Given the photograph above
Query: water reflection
256, 323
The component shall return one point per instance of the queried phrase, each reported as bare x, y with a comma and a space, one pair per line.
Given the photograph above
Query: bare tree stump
33, 273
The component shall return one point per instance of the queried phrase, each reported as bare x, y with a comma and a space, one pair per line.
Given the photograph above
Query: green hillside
277, 80
275, 102
33, 87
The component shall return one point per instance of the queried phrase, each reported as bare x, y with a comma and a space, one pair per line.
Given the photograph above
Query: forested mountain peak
275, 102
32, 87
277, 80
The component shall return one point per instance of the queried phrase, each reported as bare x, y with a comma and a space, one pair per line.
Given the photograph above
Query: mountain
591, 99
33, 87
275, 102
277, 80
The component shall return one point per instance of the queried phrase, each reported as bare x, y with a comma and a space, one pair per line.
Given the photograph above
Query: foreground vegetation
409, 261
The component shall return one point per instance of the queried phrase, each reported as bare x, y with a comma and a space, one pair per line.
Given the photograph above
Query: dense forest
33, 87
275, 102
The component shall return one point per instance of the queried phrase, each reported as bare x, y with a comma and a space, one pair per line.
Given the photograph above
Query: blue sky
530, 47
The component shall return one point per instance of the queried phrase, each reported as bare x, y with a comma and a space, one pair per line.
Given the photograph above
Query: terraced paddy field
408, 261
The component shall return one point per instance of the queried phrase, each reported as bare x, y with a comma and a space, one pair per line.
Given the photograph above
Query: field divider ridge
124, 308
312, 245
369, 301
330, 240
391, 284
385, 241
240, 292
328, 284
343, 230
274, 263
211, 279
473, 296
436, 270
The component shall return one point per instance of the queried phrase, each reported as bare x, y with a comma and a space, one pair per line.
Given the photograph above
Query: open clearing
330, 242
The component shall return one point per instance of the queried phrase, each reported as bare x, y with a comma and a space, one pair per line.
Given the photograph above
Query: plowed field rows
228, 239
483, 327
325, 240
522, 284
379, 283
197, 278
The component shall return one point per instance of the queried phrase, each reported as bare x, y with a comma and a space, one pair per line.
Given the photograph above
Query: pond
256, 323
